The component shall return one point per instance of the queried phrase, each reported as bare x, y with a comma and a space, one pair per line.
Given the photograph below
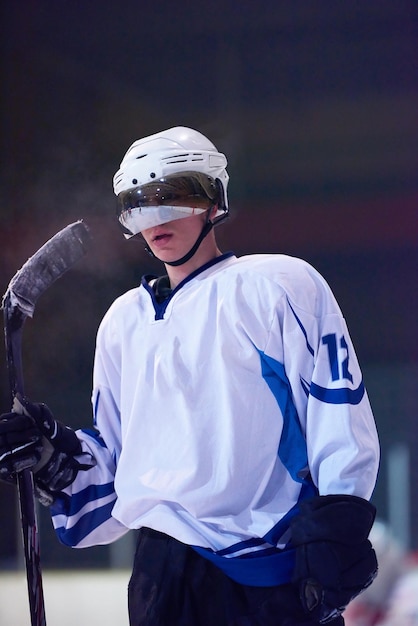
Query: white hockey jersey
218, 410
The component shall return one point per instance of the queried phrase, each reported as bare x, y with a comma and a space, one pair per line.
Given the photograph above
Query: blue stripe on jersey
94, 434
308, 490
85, 525
242, 545
96, 408
160, 307
71, 505
292, 447
305, 334
305, 386
258, 571
338, 396
268, 565
274, 535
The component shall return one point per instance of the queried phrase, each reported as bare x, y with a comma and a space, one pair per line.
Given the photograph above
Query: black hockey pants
171, 585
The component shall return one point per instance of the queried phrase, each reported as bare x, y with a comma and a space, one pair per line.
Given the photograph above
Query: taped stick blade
48, 264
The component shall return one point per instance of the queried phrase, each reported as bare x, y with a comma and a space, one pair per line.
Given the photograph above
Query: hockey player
232, 426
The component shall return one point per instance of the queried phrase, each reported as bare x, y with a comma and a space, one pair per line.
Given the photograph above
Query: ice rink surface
71, 598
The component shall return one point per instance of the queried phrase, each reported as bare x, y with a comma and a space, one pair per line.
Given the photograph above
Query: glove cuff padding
59, 472
343, 518
335, 561
62, 454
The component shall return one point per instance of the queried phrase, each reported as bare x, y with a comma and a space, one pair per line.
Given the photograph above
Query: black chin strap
205, 231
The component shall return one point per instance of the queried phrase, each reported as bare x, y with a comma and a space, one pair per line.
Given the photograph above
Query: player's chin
166, 256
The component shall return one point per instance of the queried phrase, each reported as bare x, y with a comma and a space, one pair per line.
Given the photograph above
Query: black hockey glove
20, 445
335, 560
37, 441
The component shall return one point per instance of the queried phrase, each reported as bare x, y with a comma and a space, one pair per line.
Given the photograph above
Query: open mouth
161, 237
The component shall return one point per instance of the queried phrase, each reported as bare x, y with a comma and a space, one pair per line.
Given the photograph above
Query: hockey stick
50, 262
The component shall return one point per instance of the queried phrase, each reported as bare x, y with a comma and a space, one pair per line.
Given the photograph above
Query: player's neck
207, 251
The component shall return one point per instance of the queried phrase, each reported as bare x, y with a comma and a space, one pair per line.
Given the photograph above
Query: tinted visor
163, 201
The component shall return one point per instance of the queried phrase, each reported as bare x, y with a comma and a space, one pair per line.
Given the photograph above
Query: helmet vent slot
184, 157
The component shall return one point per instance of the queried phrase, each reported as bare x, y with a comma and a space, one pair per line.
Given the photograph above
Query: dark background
315, 105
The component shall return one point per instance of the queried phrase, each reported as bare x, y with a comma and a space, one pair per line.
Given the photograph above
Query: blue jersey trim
94, 434
267, 566
85, 525
71, 505
242, 545
257, 571
338, 396
160, 307
308, 490
303, 329
292, 447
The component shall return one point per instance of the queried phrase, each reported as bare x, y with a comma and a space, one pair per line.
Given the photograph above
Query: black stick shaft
13, 326
31, 548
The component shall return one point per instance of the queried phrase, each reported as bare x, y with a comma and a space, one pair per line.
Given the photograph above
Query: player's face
173, 240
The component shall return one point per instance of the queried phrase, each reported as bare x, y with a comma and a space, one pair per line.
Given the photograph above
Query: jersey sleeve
310, 342
82, 513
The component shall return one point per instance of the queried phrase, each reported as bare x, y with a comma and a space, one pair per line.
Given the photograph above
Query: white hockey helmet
143, 182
